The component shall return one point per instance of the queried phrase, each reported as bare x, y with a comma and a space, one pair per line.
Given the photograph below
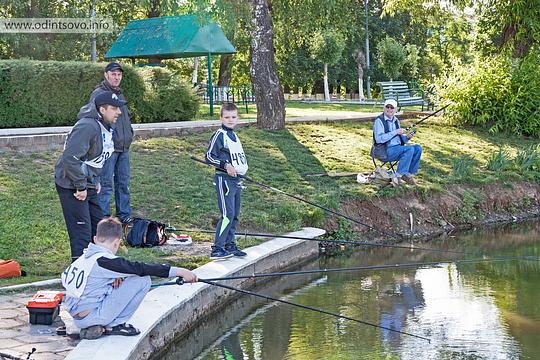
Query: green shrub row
500, 93
526, 163
50, 93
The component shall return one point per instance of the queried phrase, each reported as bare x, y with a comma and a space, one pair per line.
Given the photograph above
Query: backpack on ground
146, 233
10, 268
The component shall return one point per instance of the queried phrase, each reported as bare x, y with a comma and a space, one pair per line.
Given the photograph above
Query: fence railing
238, 94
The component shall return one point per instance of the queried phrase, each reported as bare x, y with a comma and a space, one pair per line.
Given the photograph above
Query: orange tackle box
44, 307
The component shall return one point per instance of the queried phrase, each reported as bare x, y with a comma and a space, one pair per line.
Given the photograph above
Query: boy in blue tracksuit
225, 152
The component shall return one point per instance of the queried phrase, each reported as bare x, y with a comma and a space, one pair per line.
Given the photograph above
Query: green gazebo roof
168, 38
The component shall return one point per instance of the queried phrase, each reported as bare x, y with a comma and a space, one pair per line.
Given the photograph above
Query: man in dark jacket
76, 172
117, 166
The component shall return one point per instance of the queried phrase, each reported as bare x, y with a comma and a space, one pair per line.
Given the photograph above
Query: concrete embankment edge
170, 311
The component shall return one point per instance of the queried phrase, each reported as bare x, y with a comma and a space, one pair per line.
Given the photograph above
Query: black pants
81, 218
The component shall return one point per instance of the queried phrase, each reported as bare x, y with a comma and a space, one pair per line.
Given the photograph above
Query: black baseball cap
108, 98
113, 66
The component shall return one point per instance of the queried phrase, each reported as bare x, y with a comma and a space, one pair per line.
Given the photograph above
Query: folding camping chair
389, 165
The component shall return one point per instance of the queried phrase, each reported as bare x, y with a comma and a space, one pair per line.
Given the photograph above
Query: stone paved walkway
46, 138
18, 336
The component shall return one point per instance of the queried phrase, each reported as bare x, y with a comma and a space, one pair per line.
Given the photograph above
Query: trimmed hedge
499, 93
50, 93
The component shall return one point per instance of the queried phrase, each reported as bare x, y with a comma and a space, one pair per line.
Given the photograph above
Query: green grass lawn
168, 186
293, 108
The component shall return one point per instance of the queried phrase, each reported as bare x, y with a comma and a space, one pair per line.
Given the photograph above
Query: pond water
480, 310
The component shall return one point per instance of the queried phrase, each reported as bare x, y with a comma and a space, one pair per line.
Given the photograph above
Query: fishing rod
352, 242
8, 356
426, 117
356, 268
247, 178
334, 174
266, 297
180, 281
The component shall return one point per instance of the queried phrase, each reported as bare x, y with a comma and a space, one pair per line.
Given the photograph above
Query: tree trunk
32, 11
267, 88
154, 10
360, 59
361, 88
195, 79
326, 89
360, 82
225, 70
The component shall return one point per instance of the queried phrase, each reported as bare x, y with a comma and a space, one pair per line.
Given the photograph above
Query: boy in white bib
225, 152
104, 290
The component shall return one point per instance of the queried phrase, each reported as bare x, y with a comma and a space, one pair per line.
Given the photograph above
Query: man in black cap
76, 173
117, 167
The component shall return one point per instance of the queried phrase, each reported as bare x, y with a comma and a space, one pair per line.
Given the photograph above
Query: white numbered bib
108, 148
75, 277
238, 158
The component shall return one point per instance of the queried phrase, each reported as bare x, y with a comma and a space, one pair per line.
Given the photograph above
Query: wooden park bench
402, 93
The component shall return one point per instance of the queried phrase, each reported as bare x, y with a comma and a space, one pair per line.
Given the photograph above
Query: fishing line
310, 308
180, 281
352, 242
356, 221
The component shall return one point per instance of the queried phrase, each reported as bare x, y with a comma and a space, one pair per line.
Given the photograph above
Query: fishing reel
411, 131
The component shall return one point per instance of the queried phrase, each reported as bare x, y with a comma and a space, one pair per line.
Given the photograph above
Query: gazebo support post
210, 87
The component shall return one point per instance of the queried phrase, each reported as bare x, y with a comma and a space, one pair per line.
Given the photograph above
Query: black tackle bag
146, 233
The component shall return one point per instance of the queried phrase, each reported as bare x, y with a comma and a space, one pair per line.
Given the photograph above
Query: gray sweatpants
118, 307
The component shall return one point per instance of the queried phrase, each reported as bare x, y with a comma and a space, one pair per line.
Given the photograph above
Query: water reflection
400, 296
487, 310
458, 319
231, 348
260, 341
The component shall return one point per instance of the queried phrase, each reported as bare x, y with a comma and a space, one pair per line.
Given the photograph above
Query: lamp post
93, 41
368, 85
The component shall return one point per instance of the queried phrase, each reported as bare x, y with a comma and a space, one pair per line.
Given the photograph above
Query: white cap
390, 102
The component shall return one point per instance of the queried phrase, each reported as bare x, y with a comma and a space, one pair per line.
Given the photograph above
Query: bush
469, 210
527, 159
44, 93
463, 167
168, 97
499, 161
499, 92
50, 93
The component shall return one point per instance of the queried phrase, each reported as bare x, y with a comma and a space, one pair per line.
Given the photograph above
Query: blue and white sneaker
233, 249
219, 253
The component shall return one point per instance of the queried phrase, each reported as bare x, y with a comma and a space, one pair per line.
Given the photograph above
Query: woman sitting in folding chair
387, 135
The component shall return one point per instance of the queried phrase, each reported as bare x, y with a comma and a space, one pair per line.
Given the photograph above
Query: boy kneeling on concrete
104, 290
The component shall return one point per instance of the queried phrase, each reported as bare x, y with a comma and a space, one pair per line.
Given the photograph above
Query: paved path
46, 138
18, 336
322, 116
